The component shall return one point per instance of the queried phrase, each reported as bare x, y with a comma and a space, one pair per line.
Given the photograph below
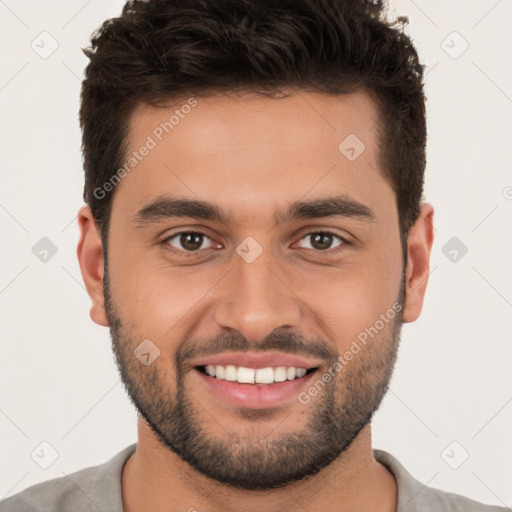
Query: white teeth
264, 375
219, 372
280, 374
246, 375
230, 373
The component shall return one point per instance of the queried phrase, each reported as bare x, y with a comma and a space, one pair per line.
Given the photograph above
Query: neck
154, 478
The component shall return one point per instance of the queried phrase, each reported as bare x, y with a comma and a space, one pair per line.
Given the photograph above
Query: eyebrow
166, 207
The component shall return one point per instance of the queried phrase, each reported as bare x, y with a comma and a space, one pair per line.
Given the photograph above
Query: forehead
253, 151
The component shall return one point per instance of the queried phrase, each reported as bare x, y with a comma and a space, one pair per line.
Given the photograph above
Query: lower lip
255, 396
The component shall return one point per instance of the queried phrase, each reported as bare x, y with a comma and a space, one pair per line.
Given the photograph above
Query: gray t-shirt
98, 488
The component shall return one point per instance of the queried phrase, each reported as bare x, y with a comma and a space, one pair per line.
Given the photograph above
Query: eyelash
195, 253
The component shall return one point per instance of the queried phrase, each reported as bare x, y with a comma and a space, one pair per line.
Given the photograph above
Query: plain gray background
451, 394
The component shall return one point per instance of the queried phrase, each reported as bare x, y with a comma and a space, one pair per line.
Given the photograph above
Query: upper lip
252, 360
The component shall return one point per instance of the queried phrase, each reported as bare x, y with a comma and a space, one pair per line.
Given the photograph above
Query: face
255, 288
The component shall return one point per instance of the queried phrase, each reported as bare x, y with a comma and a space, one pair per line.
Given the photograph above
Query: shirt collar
408, 487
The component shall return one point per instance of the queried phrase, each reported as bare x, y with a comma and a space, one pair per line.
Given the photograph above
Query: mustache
285, 342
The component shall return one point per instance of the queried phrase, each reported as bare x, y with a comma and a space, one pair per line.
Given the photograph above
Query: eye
187, 241
322, 241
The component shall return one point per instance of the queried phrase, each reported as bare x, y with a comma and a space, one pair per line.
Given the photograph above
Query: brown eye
323, 240
188, 241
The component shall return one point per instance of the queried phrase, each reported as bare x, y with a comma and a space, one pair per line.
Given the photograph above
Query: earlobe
90, 258
420, 240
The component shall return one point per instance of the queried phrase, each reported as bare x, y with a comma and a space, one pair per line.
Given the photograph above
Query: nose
255, 299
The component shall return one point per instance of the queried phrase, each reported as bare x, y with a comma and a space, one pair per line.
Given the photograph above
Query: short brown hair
164, 49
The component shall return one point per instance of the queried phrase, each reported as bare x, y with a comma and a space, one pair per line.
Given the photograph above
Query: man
254, 237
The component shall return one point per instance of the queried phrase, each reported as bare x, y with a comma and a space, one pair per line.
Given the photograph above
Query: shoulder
413, 496
451, 502
89, 489
54, 495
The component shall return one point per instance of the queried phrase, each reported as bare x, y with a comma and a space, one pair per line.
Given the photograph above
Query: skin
252, 156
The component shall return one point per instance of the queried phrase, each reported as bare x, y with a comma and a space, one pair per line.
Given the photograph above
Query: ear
420, 240
90, 257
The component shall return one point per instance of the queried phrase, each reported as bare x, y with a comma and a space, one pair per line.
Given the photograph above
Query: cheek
156, 300
353, 297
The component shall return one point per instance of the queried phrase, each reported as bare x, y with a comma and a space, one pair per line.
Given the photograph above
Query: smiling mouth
244, 375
